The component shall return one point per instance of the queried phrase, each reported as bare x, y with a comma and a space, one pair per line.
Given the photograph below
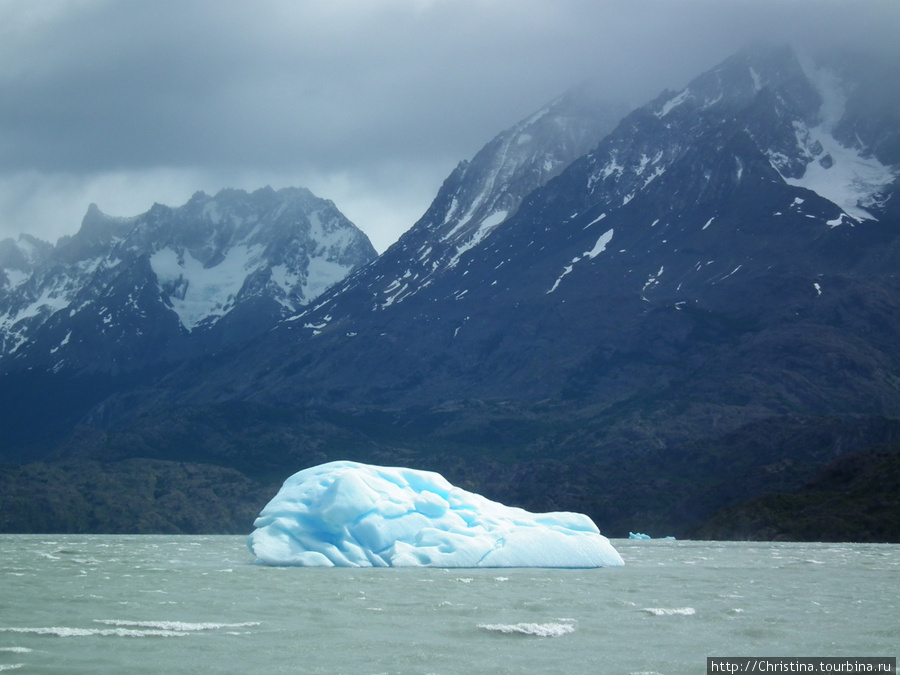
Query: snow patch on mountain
598, 248
321, 275
52, 299
673, 103
15, 278
16, 321
846, 176
200, 292
757, 81
284, 278
484, 229
601, 244
652, 280
596, 220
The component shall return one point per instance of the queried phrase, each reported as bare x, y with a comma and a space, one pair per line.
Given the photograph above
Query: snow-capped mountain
793, 114
703, 306
642, 321
477, 197
754, 196
123, 293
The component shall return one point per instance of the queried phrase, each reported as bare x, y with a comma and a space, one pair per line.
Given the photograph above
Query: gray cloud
368, 102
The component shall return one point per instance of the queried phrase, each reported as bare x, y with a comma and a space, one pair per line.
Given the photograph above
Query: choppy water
163, 604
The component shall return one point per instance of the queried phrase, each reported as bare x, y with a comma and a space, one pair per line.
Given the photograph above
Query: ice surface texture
347, 514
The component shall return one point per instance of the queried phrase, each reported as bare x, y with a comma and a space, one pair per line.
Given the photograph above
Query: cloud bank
370, 103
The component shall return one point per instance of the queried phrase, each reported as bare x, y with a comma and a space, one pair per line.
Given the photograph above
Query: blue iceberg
347, 514
641, 535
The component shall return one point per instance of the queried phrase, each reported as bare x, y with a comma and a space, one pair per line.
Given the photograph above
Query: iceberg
640, 535
347, 514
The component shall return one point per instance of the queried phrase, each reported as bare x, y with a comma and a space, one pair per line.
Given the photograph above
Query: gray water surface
198, 604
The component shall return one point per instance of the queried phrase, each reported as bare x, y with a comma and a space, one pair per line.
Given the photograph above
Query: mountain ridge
678, 310
689, 196
205, 273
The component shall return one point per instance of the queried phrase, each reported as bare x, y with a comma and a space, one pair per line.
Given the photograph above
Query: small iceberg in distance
347, 514
640, 535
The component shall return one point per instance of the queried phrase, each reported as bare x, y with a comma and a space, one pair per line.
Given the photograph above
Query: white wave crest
177, 626
669, 611
538, 629
66, 631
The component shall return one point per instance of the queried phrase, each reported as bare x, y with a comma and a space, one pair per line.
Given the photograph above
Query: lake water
198, 604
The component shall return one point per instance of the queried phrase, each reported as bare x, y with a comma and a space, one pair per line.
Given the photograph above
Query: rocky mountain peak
173, 276
478, 196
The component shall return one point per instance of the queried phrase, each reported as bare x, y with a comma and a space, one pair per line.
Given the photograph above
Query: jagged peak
773, 62
261, 199
739, 79
481, 193
226, 266
484, 192
199, 196
97, 229
760, 83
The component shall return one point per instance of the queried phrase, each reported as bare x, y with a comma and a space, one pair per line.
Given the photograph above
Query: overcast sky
369, 103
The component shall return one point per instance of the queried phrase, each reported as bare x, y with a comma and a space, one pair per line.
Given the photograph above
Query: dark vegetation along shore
713, 492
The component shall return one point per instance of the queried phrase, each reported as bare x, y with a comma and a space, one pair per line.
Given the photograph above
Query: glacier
348, 514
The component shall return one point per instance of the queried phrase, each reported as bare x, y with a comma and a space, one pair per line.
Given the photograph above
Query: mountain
692, 232
124, 297
474, 200
697, 306
124, 293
